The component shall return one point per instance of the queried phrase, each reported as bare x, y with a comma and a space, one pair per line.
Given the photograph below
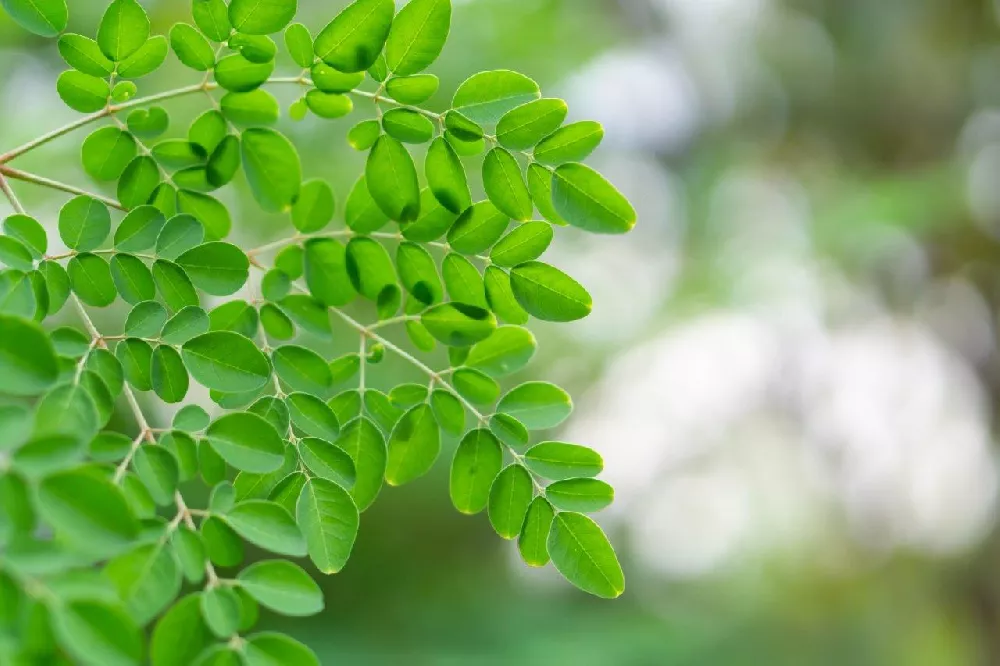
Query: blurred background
792, 366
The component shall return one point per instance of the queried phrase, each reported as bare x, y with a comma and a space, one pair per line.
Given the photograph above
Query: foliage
97, 538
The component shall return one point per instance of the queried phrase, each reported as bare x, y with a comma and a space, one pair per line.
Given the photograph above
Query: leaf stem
17, 174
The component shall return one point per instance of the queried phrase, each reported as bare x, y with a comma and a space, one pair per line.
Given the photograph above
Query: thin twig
17, 174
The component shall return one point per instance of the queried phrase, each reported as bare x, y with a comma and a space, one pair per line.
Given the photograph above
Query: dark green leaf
216, 268
168, 375
267, 525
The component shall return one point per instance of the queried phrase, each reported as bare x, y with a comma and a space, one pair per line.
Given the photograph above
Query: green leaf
174, 285
184, 325
191, 48
136, 357
179, 234
446, 176
147, 59
191, 418
132, 279
505, 186
138, 229
525, 243
464, 283
276, 323
124, 28
190, 553
326, 274
286, 492
44, 455
87, 510
181, 634
329, 520
485, 97
147, 580
521, 128
261, 17
353, 40
369, 267
313, 416
314, 207
138, 182
408, 125
84, 54
548, 293
500, 297
328, 461
220, 606
224, 161
302, 369
362, 214
157, 469
210, 212
308, 312
329, 80
90, 277
538, 405
247, 442
14, 254
572, 143
462, 128
585, 199
283, 587
510, 496
275, 285
216, 268
363, 135
106, 153
478, 228
212, 18
584, 495
178, 153
82, 92
29, 232
168, 375
475, 386
259, 486
418, 34
249, 109
449, 411
238, 74
412, 89
148, 123
477, 462
226, 361
363, 442
583, 555
255, 48
299, 43
532, 542
392, 180
84, 223
329, 105
508, 350
557, 461
46, 18
459, 324
418, 273
272, 168
414, 445
274, 649
98, 633
267, 525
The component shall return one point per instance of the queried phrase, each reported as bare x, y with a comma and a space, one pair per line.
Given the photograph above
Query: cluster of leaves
96, 537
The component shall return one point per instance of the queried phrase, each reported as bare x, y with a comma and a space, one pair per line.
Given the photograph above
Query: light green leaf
363, 135
525, 243
446, 176
138, 182
238, 74
272, 168
477, 462
106, 153
572, 143
145, 60
329, 105
226, 361
329, 520
510, 496
98, 633
124, 28
147, 580
408, 125
29, 232
274, 649
210, 212
181, 634
84, 223
459, 324
184, 325
508, 350
548, 293
362, 214
261, 17
314, 207
191, 48
299, 43
87, 510
132, 279
179, 234
224, 161
216, 268
168, 375
464, 283
14, 254
585, 199
392, 180
174, 285
84, 54
449, 411
329, 80
583, 555
580, 494
328, 461
46, 18
308, 312
418, 34
557, 461
532, 542
220, 606
90, 277
485, 97
412, 89
363, 442
148, 123
212, 18
478, 228
326, 274
353, 40
250, 109
157, 469
521, 128
313, 416
255, 48
538, 405
475, 386
302, 369
247, 442
505, 186
82, 92
136, 357
414, 445
433, 222
267, 525
283, 587
139, 229
418, 273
